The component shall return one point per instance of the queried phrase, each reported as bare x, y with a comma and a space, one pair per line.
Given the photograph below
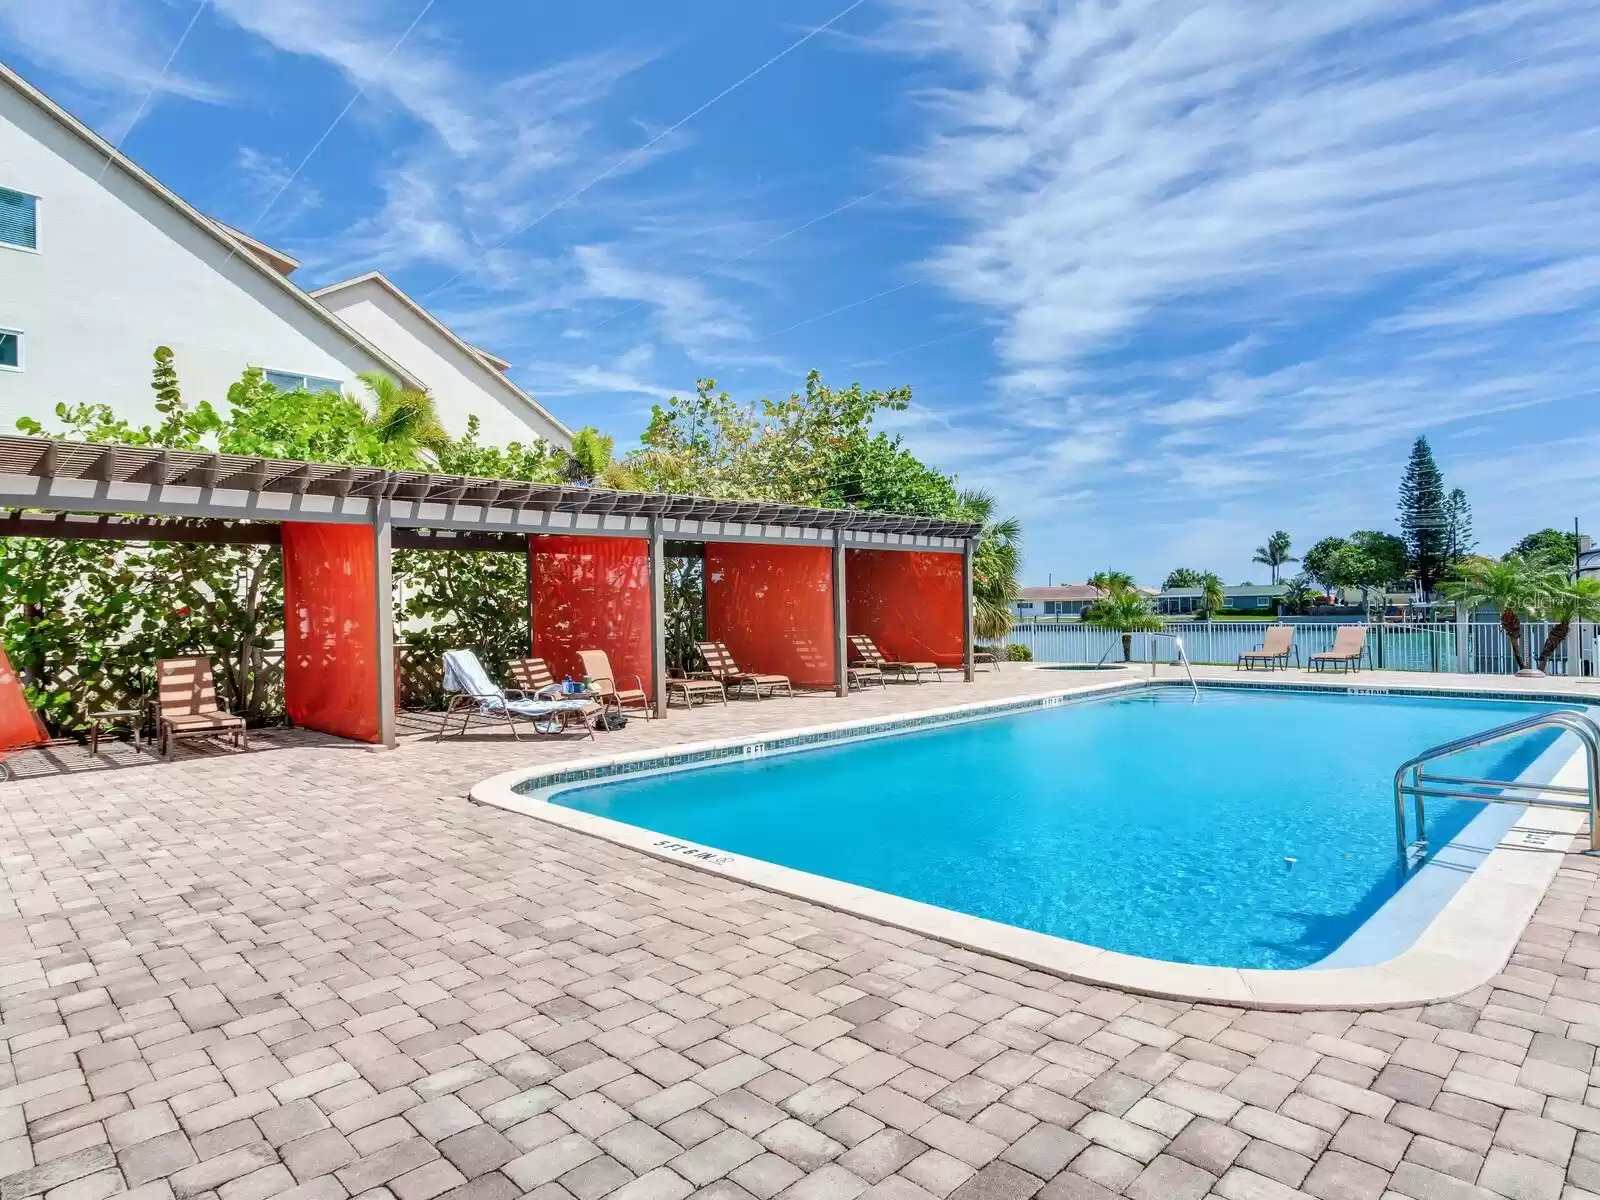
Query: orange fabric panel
19, 724
592, 593
907, 601
773, 608
330, 638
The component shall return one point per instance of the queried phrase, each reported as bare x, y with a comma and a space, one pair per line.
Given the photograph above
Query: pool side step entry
1410, 780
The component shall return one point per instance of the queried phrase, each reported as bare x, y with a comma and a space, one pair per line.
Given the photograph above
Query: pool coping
1466, 944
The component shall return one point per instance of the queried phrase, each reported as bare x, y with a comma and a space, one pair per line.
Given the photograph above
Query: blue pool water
1147, 823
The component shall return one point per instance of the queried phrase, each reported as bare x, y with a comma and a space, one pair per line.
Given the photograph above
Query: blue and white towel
464, 675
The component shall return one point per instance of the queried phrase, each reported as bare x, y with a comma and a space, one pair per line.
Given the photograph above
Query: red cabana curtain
19, 724
330, 641
592, 593
909, 602
773, 607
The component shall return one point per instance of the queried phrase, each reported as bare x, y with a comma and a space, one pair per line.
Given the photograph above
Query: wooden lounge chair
1349, 644
602, 681
469, 693
721, 667
1274, 651
864, 650
187, 705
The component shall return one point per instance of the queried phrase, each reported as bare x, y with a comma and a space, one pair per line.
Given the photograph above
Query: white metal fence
1392, 647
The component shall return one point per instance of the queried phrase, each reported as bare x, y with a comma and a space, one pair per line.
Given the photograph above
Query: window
19, 219
289, 381
10, 349
1024, 605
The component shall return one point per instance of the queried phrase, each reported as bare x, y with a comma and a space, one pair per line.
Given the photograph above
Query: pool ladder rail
1182, 657
1409, 780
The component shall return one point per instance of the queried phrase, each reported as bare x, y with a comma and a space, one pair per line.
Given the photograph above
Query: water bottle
567, 685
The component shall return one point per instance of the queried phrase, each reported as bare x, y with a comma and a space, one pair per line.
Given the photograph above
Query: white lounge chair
470, 692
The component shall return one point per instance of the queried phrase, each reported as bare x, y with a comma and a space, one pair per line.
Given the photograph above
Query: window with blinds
292, 381
10, 349
19, 219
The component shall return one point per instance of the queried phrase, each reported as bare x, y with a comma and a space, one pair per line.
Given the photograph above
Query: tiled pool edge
1465, 946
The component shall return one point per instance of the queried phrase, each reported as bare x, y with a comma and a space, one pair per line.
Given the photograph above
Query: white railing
1390, 646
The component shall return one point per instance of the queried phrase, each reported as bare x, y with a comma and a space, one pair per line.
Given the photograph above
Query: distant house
100, 263
1069, 600
1244, 597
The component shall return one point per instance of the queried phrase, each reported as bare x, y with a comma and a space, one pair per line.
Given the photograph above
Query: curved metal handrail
1152, 634
1580, 726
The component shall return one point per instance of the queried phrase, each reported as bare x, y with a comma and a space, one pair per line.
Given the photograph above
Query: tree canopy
1559, 547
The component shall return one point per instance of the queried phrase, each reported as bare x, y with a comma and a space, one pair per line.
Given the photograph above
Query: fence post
1463, 641
1575, 648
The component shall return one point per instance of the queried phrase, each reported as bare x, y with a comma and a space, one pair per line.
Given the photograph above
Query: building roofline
490, 363
284, 263
212, 228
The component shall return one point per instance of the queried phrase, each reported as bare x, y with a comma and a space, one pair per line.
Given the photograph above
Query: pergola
784, 585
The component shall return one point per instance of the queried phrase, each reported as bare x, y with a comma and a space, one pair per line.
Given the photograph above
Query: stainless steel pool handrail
1182, 657
1577, 724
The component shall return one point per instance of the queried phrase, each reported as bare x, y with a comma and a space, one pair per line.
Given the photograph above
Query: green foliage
1570, 600
1181, 577
1017, 652
164, 381
1518, 588
1553, 546
1298, 596
1212, 597
1367, 559
1124, 610
995, 563
1436, 527
1275, 553
1106, 582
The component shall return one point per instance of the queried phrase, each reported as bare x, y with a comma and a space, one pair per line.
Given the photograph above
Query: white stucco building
461, 378
100, 264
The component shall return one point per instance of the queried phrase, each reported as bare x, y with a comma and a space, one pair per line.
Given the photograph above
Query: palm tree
1275, 553
402, 419
1574, 600
996, 561
1126, 611
1212, 598
1515, 586
1300, 594
1106, 582
1181, 577
589, 463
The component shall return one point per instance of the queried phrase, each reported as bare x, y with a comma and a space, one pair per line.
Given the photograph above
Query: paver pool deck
317, 971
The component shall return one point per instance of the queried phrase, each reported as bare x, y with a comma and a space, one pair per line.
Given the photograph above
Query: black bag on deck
611, 720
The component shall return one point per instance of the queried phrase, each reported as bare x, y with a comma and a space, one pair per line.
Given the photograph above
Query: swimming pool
1252, 829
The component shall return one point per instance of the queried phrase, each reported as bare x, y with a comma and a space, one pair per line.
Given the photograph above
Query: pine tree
1424, 521
1458, 537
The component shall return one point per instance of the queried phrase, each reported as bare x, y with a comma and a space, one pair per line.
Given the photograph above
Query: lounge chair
721, 667
471, 693
1274, 651
531, 677
860, 675
603, 683
1349, 644
864, 650
694, 687
187, 705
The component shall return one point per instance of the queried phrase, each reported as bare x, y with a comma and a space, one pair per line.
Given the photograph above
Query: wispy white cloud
1242, 249
111, 49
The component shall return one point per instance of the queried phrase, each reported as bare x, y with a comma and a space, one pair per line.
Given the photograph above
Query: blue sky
1165, 276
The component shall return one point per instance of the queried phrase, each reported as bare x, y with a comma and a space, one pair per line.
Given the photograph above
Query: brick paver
316, 972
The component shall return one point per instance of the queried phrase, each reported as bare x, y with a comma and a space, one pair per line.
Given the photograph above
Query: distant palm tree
1212, 598
1126, 611
1574, 600
1515, 586
1275, 553
996, 561
1181, 577
1106, 582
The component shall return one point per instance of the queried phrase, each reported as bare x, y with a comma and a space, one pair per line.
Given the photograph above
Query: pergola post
969, 668
841, 632
658, 616
383, 580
